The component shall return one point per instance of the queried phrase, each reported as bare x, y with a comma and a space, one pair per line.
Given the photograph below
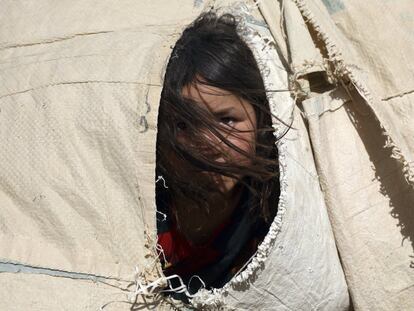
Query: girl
216, 151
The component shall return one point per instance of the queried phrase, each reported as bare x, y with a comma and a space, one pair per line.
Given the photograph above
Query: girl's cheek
247, 145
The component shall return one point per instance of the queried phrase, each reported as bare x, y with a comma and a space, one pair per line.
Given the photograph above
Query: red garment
184, 259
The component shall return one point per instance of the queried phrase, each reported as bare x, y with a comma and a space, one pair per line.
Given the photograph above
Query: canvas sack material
78, 104
362, 139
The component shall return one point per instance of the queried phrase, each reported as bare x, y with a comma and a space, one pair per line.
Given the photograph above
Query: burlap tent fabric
362, 139
78, 107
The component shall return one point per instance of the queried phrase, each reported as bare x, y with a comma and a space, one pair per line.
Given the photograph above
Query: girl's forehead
212, 97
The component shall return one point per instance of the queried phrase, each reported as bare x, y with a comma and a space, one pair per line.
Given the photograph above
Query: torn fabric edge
345, 70
215, 297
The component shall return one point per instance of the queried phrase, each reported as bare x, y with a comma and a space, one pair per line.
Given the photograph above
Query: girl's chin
225, 183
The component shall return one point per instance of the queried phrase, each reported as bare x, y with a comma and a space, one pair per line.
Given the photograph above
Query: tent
81, 83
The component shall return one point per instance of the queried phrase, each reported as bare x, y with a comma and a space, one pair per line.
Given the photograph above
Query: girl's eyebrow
223, 111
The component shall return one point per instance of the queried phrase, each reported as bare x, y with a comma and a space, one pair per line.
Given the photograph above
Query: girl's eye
227, 121
181, 126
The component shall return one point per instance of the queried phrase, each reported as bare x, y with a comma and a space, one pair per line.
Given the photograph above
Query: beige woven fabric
369, 201
362, 137
78, 119
79, 81
41, 292
78, 108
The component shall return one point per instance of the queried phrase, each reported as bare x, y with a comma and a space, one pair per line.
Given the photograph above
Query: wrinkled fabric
362, 139
80, 89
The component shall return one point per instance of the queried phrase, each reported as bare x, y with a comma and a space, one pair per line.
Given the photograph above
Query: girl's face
237, 119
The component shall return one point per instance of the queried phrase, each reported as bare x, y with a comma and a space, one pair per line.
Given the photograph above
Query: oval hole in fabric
217, 175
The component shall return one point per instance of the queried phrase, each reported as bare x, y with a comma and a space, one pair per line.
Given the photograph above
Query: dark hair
211, 52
